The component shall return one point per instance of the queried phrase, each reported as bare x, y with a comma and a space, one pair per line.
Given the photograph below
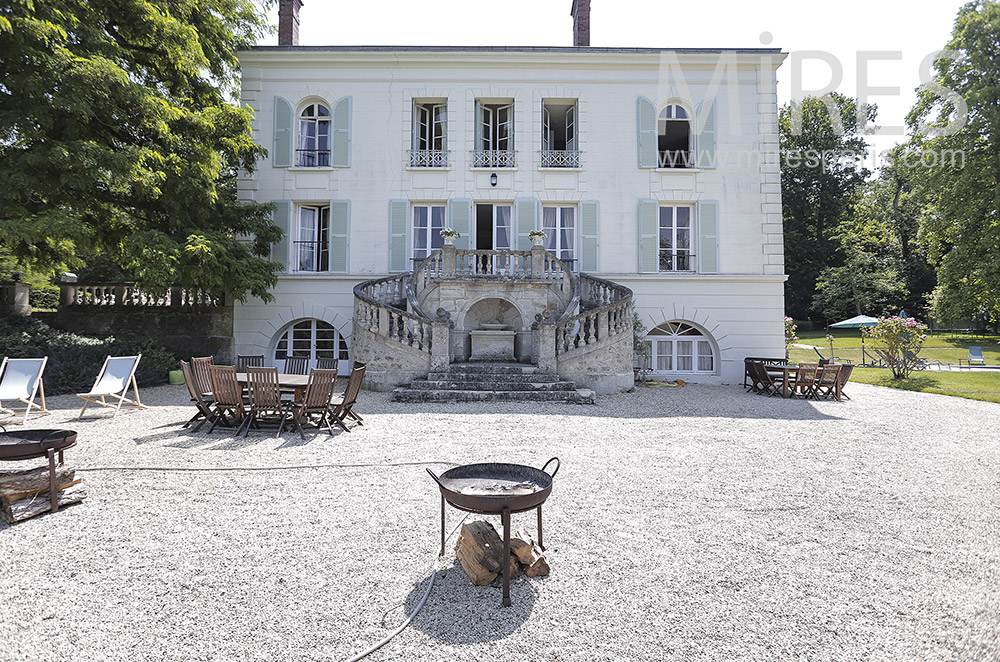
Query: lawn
942, 347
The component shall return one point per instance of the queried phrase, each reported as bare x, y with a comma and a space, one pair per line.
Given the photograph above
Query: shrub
44, 296
790, 335
900, 340
74, 360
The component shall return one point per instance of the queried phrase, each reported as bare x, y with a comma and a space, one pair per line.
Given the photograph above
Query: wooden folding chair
761, 382
200, 367
203, 405
842, 377
21, 380
265, 399
228, 395
343, 409
327, 364
827, 382
805, 380
316, 400
247, 361
116, 376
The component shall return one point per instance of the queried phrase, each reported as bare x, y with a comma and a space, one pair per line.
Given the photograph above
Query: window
675, 239
494, 136
559, 225
314, 137
313, 339
430, 137
679, 347
673, 135
428, 221
312, 248
559, 136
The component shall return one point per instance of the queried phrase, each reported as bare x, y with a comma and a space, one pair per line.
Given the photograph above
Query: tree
820, 152
956, 121
900, 339
116, 137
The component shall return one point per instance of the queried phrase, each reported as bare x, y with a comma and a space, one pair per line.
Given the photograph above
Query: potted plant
536, 237
450, 235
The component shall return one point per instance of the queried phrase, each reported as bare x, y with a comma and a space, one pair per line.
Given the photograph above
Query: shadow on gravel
457, 612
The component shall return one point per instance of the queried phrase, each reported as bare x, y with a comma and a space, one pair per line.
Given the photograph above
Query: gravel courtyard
696, 523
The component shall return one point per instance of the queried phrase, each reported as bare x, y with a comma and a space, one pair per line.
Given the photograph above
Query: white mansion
652, 172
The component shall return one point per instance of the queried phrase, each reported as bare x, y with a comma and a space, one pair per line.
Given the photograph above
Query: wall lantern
493, 179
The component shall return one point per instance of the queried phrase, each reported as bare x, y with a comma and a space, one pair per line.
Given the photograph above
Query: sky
900, 33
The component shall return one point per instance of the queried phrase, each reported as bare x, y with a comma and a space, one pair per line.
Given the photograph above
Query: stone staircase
492, 382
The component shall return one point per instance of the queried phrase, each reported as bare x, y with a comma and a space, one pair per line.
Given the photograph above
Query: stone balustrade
127, 294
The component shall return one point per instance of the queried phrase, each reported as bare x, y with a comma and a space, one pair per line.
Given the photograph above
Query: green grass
942, 347
971, 384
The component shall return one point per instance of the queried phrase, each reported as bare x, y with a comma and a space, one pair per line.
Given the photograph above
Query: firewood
10, 496
36, 505
529, 555
17, 480
479, 549
539, 568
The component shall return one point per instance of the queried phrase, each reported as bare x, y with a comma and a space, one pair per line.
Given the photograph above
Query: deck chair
976, 356
316, 400
200, 367
116, 376
228, 394
21, 380
296, 365
805, 379
827, 381
344, 408
203, 405
265, 399
245, 361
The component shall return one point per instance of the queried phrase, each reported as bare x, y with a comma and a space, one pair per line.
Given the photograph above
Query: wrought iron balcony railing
559, 158
493, 158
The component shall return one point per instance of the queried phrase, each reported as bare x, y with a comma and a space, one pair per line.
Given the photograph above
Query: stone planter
537, 241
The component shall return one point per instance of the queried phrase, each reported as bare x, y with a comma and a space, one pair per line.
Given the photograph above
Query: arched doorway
678, 347
313, 339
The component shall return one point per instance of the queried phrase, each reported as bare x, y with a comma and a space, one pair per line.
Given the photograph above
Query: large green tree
957, 125
119, 134
822, 152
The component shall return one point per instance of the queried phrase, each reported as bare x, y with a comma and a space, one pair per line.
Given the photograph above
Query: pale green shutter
528, 211
708, 237
281, 155
340, 230
341, 156
282, 218
646, 126
649, 240
414, 125
707, 136
460, 220
589, 211
399, 211
477, 144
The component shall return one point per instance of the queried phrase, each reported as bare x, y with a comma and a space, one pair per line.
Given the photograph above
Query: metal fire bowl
494, 487
29, 444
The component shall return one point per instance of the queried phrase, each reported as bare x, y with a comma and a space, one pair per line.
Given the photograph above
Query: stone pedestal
492, 345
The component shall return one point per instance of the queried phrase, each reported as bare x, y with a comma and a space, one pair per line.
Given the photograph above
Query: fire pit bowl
29, 444
496, 488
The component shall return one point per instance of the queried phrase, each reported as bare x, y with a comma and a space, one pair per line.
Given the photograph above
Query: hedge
75, 360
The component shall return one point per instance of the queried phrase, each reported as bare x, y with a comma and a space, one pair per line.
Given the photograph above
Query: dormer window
314, 137
673, 136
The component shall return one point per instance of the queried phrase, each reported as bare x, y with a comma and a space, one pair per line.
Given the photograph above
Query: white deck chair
117, 374
21, 379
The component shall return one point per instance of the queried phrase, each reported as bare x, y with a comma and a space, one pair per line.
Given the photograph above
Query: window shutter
707, 136
478, 124
399, 212
341, 156
414, 125
646, 119
649, 241
281, 155
444, 129
340, 229
589, 211
282, 218
528, 211
460, 220
708, 237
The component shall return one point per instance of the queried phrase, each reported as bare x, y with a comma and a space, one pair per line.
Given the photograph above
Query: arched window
313, 339
314, 137
673, 137
679, 347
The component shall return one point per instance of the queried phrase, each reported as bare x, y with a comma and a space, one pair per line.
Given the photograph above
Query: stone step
495, 377
577, 396
480, 384
495, 368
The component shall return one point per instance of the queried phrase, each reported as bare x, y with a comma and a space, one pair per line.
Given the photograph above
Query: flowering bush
790, 329
899, 339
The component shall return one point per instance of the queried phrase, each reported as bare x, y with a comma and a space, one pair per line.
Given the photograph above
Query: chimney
581, 22
288, 22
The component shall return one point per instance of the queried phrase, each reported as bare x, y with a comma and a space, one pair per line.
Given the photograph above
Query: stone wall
194, 331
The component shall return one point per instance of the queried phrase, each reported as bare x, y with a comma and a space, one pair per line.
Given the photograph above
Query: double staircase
573, 331
492, 382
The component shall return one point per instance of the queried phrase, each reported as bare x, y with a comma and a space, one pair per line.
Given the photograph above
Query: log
528, 553
10, 496
479, 549
23, 481
36, 505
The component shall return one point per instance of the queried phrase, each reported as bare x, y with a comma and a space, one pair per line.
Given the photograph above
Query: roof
511, 49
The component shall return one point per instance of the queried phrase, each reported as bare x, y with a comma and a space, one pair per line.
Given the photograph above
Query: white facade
606, 188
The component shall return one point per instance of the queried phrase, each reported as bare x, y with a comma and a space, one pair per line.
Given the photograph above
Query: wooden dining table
286, 382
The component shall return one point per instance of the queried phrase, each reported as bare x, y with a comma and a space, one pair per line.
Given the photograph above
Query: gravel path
685, 524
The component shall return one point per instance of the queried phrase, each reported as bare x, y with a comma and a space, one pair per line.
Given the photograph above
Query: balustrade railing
493, 158
605, 313
127, 294
379, 308
559, 158
428, 158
